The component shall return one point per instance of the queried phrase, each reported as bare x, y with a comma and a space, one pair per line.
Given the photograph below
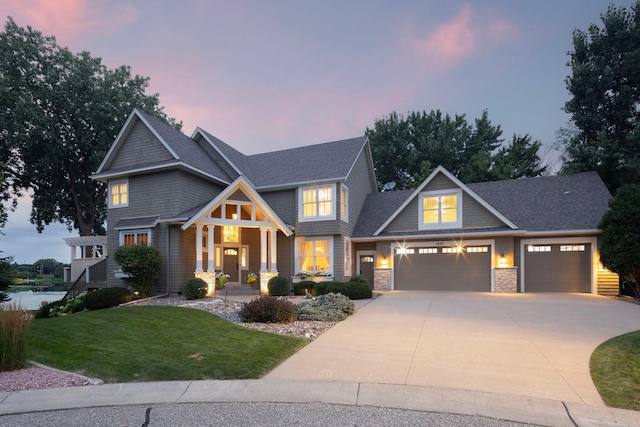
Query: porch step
238, 290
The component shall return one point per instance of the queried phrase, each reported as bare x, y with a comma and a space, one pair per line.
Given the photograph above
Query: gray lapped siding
141, 147
359, 185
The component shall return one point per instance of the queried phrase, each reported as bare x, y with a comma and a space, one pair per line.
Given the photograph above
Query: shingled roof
552, 203
543, 204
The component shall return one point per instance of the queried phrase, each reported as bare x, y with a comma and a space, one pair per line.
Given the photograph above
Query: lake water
30, 300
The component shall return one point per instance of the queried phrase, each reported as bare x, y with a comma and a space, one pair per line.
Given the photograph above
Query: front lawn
156, 344
615, 370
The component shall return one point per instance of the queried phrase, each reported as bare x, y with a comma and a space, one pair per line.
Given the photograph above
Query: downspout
168, 256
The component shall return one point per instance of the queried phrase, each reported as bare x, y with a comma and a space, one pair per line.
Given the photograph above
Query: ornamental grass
14, 324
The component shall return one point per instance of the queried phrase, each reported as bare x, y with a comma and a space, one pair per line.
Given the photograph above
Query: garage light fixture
384, 262
502, 262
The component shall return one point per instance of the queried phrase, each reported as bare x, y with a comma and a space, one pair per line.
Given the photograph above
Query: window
428, 250
314, 254
477, 249
572, 248
538, 248
453, 250
119, 194
404, 251
230, 234
344, 198
347, 257
135, 237
317, 203
440, 210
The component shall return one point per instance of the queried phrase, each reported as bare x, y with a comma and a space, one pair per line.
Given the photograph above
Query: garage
450, 268
557, 268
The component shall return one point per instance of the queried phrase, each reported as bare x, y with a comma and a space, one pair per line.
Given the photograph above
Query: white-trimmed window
317, 203
314, 254
538, 248
453, 250
344, 203
135, 237
477, 249
440, 209
347, 256
119, 194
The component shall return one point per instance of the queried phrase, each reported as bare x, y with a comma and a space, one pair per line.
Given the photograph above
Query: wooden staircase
608, 283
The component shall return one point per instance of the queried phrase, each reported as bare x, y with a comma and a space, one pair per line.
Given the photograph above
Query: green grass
615, 370
156, 344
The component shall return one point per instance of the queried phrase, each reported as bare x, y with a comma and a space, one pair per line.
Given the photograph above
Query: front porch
235, 235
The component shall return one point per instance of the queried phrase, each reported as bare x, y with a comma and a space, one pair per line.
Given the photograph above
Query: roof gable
441, 179
182, 151
239, 190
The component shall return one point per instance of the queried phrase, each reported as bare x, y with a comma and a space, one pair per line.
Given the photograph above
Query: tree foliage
6, 277
604, 133
46, 266
620, 248
407, 150
142, 262
60, 112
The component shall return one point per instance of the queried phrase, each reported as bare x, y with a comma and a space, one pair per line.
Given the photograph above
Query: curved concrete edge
513, 408
89, 380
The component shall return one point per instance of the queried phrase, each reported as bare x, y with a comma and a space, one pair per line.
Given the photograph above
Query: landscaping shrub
142, 262
44, 310
268, 309
299, 288
279, 286
358, 279
195, 288
352, 290
328, 308
14, 324
319, 288
72, 305
106, 298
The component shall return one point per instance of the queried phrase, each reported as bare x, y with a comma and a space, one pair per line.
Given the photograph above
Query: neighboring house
316, 209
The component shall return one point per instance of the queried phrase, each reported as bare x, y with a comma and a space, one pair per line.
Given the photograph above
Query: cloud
466, 35
68, 20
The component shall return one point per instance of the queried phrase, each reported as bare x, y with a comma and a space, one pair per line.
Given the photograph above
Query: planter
296, 279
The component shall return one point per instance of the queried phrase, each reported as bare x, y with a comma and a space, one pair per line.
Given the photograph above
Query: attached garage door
443, 268
557, 268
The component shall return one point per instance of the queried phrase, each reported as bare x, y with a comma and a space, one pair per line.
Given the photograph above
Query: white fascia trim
202, 133
562, 233
240, 183
457, 182
157, 135
125, 130
517, 233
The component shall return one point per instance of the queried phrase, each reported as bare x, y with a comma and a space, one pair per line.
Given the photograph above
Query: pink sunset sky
268, 75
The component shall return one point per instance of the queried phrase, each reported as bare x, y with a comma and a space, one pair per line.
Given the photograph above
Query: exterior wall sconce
502, 262
384, 262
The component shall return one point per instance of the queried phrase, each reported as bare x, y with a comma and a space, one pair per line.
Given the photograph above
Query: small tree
6, 277
620, 248
142, 262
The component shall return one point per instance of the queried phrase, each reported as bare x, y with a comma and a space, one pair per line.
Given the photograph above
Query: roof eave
440, 236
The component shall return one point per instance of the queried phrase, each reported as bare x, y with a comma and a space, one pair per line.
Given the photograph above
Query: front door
231, 263
366, 268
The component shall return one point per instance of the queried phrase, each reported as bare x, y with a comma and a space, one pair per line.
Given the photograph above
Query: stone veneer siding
506, 279
382, 279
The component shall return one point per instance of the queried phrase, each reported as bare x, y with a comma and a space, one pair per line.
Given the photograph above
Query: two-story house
316, 209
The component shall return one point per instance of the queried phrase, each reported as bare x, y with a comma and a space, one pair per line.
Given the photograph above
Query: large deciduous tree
620, 248
59, 113
407, 150
604, 133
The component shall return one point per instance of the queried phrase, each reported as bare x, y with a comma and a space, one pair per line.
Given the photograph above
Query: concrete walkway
511, 357
528, 345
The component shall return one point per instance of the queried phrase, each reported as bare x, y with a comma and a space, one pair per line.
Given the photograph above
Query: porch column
210, 248
263, 249
272, 250
199, 248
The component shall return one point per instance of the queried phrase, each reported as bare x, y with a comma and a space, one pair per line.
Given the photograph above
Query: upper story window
317, 203
119, 194
344, 199
440, 209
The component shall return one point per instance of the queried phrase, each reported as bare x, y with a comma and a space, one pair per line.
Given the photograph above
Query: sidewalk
513, 408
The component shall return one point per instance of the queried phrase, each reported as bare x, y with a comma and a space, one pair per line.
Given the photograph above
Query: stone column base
210, 278
265, 276
382, 279
506, 279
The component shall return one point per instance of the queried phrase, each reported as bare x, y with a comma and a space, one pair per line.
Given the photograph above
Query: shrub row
352, 290
106, 298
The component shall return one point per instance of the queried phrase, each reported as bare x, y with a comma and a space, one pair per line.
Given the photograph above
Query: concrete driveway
533, 345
